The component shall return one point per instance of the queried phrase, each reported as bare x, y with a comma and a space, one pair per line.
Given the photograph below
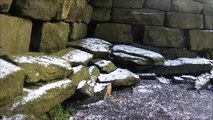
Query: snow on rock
100, 86
77, 56
7, 68
15, 117
43, 60
163, 80
138, 52
77, 69
103, 63
33, 94
81, 84
181, 61
202, 81
118, 74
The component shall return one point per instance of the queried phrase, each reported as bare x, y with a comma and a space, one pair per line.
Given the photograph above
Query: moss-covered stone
94, 73
106, 66
87, 14
11, 82
5, 5
101, 14
15, 34
39, 100
78, 31
41, 67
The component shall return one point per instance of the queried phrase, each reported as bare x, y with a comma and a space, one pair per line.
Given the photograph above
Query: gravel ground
150, 100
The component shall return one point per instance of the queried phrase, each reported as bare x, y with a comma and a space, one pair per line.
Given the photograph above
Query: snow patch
37, 93
7, 68
81, 84
99, 87
137, 51
15, 117
103, 63
77, 69
43, 60
76, 55
118, 74
182, 61
163, 80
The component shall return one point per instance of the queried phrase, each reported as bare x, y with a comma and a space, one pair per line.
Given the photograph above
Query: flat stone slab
154, 57
119, 77
182, 66
11, 82
38, 100
74, 56
41, 67
97, 47
106, 66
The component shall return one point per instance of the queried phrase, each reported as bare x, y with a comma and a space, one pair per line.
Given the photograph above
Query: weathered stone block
208, 8
187, 6
15, 34
50, 37
164, 37
208, 22
11, 82
5, 5
201, 39
102, 3
37, 9
164, 5
64, 9
128, 3
185, 20
78, 30
113, 32
87, 14
101, 14
138, 16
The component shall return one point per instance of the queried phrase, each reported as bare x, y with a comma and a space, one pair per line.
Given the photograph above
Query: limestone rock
101, 14
102, 90
164, 5
5, 5
11, 82
208, 21
128, 3
187, 6
164, 37
37, 9
63, 10
50, 37
15, 34
102, 3
106, 66
208, 8
97, 47
190, 21
38, 100
183, 66
119, 77
87, 14
78, 31
94, 73
42, 67
201, 39
138, 16
80, 73
155, 58
113, 32
74, 56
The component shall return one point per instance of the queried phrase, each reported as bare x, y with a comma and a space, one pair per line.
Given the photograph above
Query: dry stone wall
179, 24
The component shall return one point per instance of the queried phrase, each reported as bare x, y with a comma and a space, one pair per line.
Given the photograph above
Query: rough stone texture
37, 9
208, 21
15, 34
187, 6
164, 37
164, 5
201, 39
138, 16
11, 85
38, 100
78, 31
102, 3
76, 12
128, 3
63, 10
106, 66
50, 37
38, 67
150, 100
101, 14
87, 15
208, 8
5, 5
190, 21
113, 32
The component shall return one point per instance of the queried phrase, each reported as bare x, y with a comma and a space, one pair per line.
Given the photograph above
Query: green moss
58, 113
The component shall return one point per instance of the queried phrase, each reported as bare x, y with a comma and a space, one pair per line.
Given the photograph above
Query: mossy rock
106, 66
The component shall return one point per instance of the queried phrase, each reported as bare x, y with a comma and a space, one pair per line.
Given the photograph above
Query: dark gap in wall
36, 36
187, 39
91, 29
165, 22
138, 33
